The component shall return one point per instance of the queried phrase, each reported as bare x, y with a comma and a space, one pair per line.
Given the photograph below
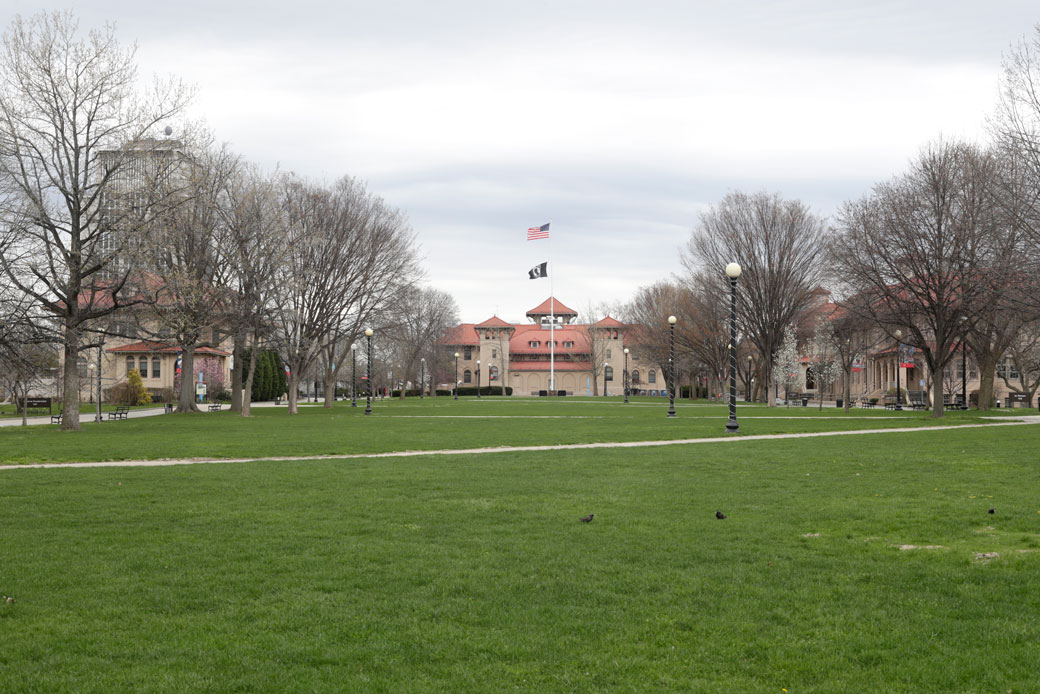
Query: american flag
541, 232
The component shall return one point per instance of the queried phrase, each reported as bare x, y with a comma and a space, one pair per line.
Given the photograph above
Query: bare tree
919, 252
179, 259
647, 317
70, 110
348, 254
421, 316
777, 243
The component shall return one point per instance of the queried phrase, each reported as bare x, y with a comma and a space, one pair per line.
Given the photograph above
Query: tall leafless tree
348, 255
70, 111
777, 243
421, 315
918, 252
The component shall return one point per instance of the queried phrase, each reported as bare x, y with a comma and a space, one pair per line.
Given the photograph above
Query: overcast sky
620, 121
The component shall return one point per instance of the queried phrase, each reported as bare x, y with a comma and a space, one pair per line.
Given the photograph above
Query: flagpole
552, 320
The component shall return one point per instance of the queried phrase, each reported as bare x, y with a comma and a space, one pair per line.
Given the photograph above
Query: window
608, 373
493, 373
494, 354
467, 376
635, 376
533, 344
1006, 368
651, 376
608, 354
144, 367
568, 345
467, 353
155, 367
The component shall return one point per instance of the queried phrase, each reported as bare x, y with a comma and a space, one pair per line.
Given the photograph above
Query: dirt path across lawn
1018, 421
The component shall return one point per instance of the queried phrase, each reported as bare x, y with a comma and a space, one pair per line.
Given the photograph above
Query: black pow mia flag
538, 271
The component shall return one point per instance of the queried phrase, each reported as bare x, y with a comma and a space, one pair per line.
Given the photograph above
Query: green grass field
472, 572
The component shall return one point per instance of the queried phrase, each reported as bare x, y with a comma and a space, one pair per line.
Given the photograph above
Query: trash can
839, 402
805, 401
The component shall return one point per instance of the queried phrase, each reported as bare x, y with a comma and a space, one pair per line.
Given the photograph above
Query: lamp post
368, 371
671, 366
605, 366
733, 272
456, 375
625, 377
97, 415
964, 367
899, 349
353, 375
422, 377
478, 379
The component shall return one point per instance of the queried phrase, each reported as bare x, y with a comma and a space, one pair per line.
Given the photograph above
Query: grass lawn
428, 424
472, 572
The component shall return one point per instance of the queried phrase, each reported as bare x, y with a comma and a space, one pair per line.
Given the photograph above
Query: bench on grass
120, 412
917, 400
56, 418
215, 407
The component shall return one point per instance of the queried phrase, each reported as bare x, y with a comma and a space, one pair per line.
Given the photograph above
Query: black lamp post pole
422, 377
353, 375
478, 379
368, 370
671, 366
733, 271
964, 376
626, 374
605, 366
899, 359
456, 375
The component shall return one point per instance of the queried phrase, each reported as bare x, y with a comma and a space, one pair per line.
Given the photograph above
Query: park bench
215, 407
56, 418
917, 400
120, 412
952, 403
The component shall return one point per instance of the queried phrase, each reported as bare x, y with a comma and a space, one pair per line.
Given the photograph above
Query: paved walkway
1005, 422
84, 417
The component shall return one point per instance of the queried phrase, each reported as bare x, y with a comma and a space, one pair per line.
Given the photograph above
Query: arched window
155, 367
652, 376
635, 376
144, 367
467, 376
131, 364
493, 373
608, 373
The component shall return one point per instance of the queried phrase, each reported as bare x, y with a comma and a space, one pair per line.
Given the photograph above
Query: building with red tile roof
553, 352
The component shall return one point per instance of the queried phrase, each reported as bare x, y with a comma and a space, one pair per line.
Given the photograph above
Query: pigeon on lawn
588, 518
993, 510
720, 515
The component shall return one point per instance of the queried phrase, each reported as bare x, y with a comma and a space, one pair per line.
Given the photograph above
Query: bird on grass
720, 515
992, 510
588, 518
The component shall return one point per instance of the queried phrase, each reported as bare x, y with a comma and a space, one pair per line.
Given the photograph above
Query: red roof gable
494, 322
608, 322
556, 306
462, 334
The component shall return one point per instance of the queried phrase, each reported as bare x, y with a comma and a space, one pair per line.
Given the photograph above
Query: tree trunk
247, 385
186, 397
293, 393
70, 399
937, 395
846, 390
330, 394
987, 372
236, 373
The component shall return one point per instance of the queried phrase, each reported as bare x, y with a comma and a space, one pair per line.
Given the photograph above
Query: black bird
588, 518
720, 515
993, 510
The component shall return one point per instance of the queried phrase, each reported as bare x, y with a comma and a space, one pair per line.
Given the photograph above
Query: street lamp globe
671, 320
368, 332
733, 271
